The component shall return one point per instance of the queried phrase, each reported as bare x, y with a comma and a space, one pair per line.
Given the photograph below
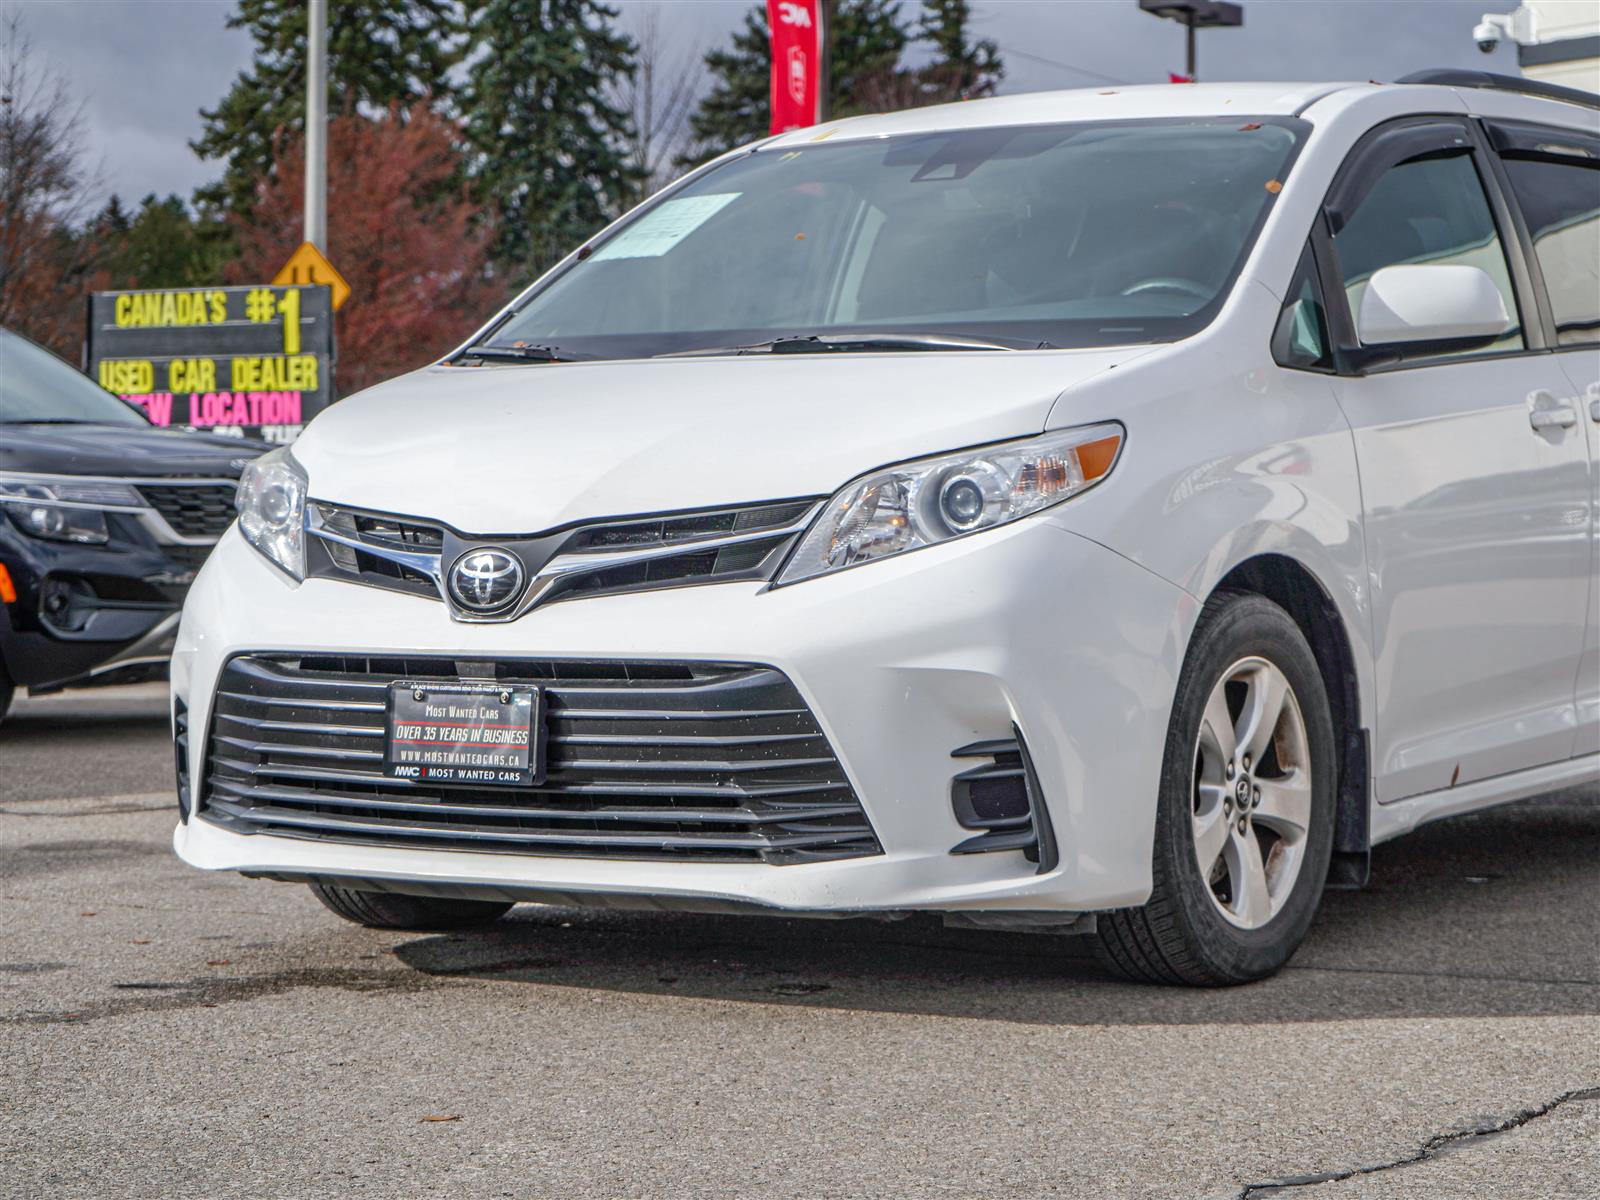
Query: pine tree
961, 69
161, 246
550, 147
865, 41
113, 220
737, 108
380, 53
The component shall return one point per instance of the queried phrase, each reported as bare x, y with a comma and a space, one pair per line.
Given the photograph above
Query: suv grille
192, 509
646, 760
409, 555
190, 558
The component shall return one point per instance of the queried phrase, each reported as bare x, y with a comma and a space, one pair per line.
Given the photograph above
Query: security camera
1488, 36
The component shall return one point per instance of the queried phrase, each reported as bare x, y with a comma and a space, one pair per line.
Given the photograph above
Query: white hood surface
523, 449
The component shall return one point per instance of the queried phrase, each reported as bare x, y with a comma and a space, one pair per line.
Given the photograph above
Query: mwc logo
797, 15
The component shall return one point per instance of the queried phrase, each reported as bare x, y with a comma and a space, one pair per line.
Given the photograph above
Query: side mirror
1430, 309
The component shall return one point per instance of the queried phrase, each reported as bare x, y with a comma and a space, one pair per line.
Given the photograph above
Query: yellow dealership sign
307, 265
251, 360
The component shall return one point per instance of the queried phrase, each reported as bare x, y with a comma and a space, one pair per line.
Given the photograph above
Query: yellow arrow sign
308, 266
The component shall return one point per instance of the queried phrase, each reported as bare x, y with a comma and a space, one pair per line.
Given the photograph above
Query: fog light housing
1001, 801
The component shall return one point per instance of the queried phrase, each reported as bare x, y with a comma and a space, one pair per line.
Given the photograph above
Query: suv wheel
7, 690
388, 910
1244, 823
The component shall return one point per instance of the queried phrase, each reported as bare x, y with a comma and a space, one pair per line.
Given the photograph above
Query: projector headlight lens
272, 510
923, 503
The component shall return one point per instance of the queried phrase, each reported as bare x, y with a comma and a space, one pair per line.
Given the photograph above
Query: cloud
143, 69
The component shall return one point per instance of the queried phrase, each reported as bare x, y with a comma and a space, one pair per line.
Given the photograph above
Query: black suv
104, 520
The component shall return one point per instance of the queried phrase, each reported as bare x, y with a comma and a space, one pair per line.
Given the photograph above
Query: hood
519, 449
125, 451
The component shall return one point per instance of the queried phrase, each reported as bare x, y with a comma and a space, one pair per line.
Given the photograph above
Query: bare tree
45, 190
660, 96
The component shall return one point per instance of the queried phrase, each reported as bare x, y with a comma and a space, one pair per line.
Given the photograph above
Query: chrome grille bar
567, 565
711, 761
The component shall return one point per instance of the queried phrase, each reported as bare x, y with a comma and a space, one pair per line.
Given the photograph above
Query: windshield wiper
51, 421
515, 353
845, 343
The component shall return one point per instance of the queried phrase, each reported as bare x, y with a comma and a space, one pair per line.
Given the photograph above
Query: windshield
1061, 235
35, 385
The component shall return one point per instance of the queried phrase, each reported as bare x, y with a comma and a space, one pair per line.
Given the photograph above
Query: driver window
1429, 210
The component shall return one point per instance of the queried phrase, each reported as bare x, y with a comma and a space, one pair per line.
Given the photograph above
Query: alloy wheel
1252, 793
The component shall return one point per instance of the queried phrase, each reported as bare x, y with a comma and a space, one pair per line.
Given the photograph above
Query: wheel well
1297, 591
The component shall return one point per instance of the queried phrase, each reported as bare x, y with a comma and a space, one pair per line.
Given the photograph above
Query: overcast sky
144, 68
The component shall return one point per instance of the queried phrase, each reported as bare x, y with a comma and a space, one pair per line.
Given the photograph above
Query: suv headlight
272, 510
64, 509
923, 503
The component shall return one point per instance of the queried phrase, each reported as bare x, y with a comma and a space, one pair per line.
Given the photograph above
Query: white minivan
1107, 512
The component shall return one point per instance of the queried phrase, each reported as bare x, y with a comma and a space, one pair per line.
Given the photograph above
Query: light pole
316, 231
1195, 14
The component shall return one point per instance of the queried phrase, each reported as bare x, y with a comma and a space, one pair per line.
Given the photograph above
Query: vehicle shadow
1496, 914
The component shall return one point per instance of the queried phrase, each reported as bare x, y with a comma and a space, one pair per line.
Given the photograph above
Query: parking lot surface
165, 1032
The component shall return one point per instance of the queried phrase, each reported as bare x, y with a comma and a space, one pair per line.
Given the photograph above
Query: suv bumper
87, 613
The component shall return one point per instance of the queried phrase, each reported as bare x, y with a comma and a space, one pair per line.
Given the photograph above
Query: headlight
923, 503
272, 509
64, 509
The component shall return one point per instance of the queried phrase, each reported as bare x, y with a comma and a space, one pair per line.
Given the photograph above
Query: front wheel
389, 910
1244, 823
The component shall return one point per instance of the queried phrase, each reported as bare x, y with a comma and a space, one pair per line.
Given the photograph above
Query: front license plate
465, 733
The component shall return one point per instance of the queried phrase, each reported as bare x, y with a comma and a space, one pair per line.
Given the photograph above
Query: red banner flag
797, 49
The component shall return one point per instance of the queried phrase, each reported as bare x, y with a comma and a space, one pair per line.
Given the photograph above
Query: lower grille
192, 509
189, 557
720, 762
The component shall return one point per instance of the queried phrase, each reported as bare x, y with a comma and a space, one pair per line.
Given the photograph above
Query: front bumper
87, 612
901, 662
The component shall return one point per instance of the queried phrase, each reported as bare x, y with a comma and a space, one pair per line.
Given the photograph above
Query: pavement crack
1471, 976
110, 810
213, 991
156, 799
1439, 1143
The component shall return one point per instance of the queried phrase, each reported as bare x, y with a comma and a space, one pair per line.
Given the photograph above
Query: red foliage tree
401, 230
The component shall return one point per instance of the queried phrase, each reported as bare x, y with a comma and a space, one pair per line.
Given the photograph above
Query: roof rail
1453, 77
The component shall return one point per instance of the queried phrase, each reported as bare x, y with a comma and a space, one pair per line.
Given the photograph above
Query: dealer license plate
465, 733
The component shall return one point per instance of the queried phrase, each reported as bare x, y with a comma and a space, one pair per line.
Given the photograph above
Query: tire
389, 910
1230, 924
7, 691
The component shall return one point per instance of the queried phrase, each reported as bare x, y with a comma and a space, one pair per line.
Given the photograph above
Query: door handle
1553, 418
1594, 410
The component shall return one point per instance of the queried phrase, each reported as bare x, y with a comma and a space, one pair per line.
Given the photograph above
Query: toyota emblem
486, 580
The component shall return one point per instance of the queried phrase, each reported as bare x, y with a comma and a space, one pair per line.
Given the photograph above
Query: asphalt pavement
165, 1032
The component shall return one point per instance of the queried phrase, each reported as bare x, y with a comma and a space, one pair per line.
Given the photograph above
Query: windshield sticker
662, 228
